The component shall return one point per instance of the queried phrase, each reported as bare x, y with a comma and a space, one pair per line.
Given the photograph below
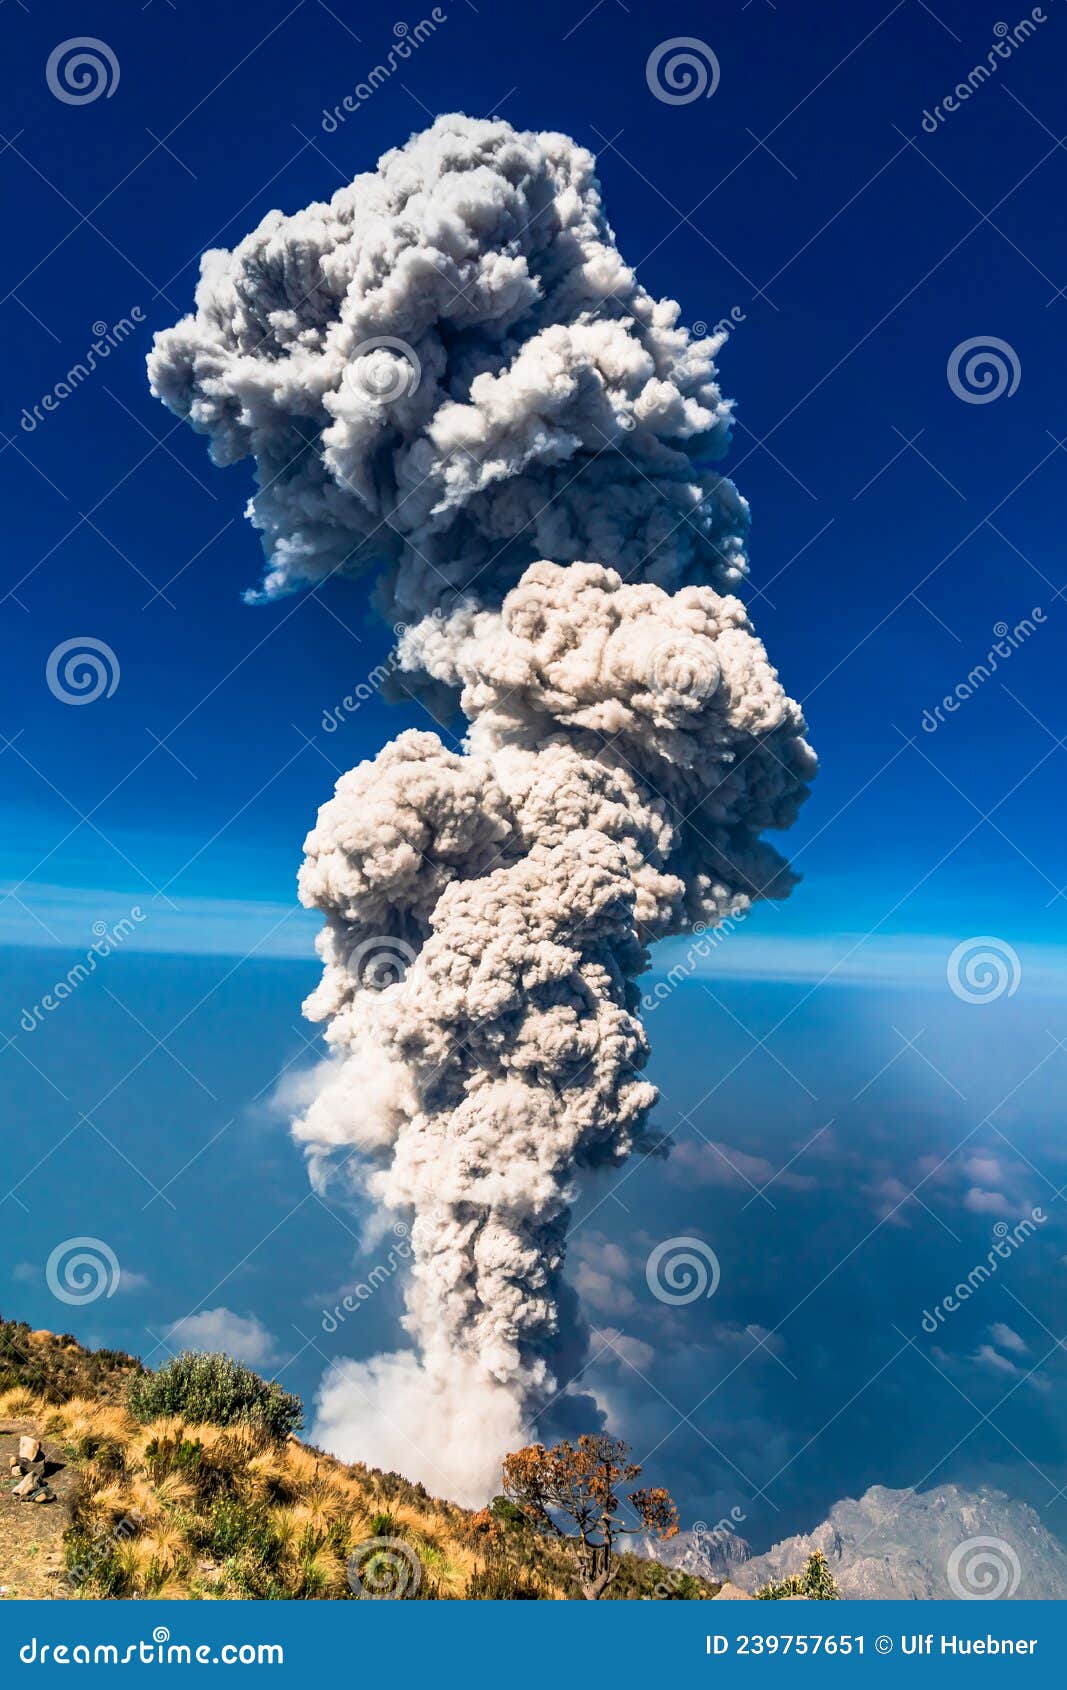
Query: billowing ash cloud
448, 372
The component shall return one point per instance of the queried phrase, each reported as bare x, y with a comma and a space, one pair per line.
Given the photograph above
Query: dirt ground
31, 1534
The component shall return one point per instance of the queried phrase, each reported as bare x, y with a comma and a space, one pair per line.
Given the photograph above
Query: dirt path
31, 1534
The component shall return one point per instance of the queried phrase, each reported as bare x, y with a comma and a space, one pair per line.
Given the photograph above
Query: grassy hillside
176, 1507
57, 1368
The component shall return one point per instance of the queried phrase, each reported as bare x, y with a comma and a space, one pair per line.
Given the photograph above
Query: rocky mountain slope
700, 1550
903, 1545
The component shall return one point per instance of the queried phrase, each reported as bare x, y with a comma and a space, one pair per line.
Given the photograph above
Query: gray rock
733, 1593
710, 1554
908, 1545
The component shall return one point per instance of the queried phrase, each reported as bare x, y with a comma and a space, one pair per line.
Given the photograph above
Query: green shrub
108, 1453
234, 1526
217, 1390
508, 1513
93, 1567
816, 1582
92, 1553
497, 1582
680, 1587
241, 1535
173, 1455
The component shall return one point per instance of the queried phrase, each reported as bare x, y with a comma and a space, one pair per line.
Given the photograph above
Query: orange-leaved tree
572, 1491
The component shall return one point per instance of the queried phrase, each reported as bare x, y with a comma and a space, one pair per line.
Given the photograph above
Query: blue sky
896, 526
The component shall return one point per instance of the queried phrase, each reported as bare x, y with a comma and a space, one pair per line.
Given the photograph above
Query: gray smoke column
448, 373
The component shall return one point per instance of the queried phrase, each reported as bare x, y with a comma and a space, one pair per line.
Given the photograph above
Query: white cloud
179, 926
987, 1356
984, 1168
916, 959
981, 1202
460, 890
751, 1338
1006, 1339
449, 1431
725, 1166
25, 1273
600, 1275
639, 1355
890, 1196
241, 1336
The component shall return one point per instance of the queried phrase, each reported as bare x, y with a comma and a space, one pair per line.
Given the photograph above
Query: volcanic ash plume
449, 373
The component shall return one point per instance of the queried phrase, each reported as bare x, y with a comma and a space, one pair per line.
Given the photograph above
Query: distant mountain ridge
900, 1545
695, 1551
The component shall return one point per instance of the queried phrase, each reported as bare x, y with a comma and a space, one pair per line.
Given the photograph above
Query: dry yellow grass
179, 1509
186, 1510
17, 1403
